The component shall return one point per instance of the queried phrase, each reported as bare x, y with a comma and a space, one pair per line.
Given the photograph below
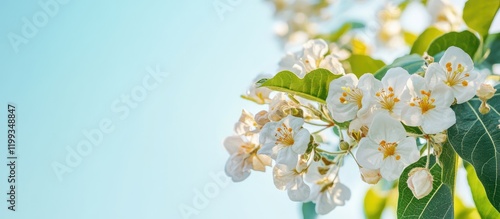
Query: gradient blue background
65, 79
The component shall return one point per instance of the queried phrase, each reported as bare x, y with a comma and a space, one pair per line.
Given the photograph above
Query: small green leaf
484, 207
374, 203
361, 64
412, 129
412, 63
308, 210
476, 139
425, 39
314, 86
479, 14
438, 204
465, 40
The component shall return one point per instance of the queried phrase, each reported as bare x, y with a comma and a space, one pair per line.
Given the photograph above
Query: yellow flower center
284, 135
387, 99
351, 95
456, 76
388, 149
425, 103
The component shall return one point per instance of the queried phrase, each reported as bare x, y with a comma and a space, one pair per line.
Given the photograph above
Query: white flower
280, 107
291, 62
444, 15
370, 176
427, 108
389, 90
326, 190
420, 182
285, 140
349, 98
387, 147
244, 157
246, 125
314, 52
312, 57
257, 94
292, 180
455, 71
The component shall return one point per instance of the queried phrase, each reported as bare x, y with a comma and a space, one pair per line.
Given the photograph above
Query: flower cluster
374, 114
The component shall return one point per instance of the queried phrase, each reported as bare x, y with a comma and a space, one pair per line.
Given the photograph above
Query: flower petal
287, 157
438, 120
368, 155
300, 191
386, 128
233, 144
407, 149
456, 56
396, 78
435, 75
411, 115
391, 169
301, 141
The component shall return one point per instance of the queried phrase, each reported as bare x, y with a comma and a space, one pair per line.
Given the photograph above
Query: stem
330, 152
428, 156
341, 135
356, 160
316, 124
321, 130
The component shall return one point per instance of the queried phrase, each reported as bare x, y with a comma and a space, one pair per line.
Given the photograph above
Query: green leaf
492, 46
409, 37
361, 64
465, 40
425, 39
412, 63
314, 86
412, 129
374, 203
484, 207
308, 210
448, 159
438, 204
479, 14
476, 139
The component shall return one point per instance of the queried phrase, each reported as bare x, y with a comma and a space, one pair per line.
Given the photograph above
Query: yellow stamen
388, 149
284, 135
351, 95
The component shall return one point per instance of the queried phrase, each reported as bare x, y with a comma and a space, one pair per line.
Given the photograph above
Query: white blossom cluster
373, 113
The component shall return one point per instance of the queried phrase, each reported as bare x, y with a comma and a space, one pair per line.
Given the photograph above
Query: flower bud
344, 146
370, 176
485, 92
420, 182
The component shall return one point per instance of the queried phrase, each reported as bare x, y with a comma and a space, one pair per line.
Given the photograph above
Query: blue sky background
65, 80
